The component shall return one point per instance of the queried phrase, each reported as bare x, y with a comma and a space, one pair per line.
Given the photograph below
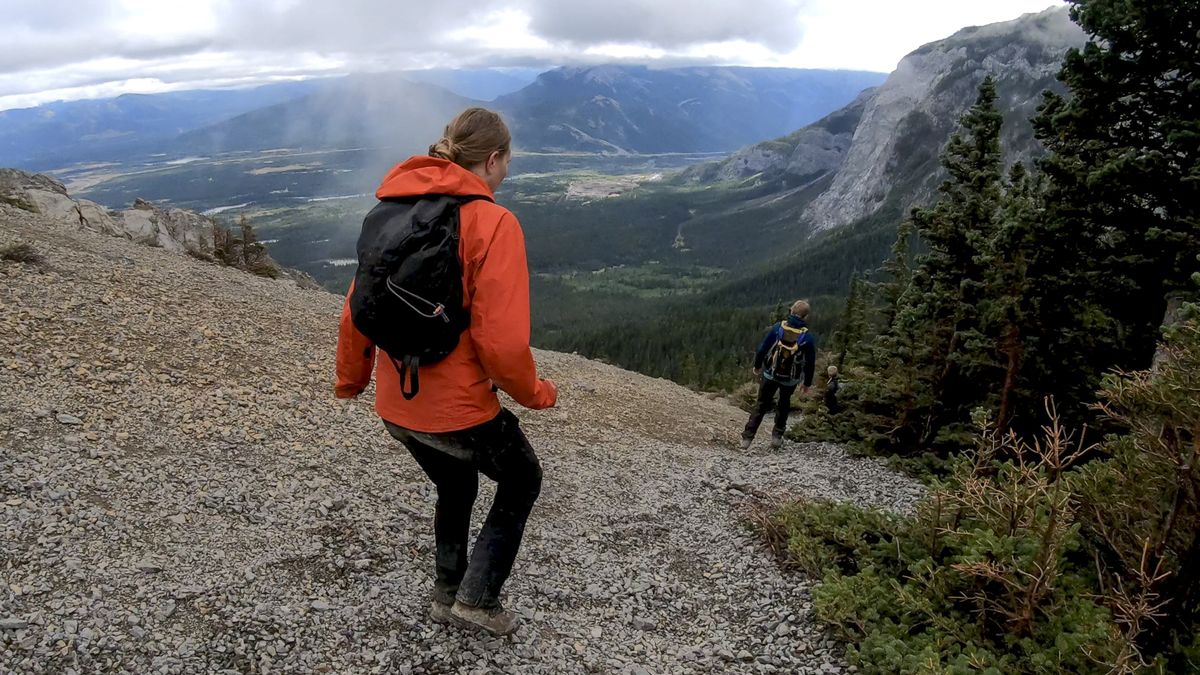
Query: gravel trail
180, 492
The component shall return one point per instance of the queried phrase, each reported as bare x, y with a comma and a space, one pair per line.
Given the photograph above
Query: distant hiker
784, 359
442, 288
831, 389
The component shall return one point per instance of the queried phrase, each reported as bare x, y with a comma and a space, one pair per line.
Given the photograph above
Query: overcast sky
96, 48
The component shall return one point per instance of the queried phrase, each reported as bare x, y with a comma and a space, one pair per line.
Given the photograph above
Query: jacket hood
422, 175
796, 322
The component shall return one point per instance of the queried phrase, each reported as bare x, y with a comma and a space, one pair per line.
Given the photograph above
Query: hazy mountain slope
640, 109
367, 110
73, 131
483, 84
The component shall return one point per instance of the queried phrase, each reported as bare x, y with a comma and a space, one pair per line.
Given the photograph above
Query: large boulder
173, 229
41, 194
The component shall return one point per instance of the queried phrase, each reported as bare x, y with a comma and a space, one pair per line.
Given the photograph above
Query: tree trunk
1012, 349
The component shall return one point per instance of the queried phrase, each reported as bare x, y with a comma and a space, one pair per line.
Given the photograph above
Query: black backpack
408, 289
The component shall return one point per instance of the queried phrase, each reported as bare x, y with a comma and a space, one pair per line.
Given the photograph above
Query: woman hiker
453, 424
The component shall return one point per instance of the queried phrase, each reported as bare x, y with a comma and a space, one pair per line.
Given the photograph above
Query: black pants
767, 390
831, 403
453, 461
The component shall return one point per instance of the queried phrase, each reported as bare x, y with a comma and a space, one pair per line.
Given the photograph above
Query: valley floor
180, 492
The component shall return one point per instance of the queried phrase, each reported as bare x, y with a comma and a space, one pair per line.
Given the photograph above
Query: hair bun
445, 149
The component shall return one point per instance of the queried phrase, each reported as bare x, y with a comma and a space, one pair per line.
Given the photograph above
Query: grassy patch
644, 281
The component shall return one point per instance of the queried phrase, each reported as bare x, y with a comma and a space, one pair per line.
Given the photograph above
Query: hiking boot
439, 612
776, 440
746, 443
497, 620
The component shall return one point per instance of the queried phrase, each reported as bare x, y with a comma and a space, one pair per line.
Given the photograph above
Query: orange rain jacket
456, 392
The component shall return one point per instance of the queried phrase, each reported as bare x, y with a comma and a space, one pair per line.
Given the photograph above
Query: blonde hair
472, 137
800, 308
831, 371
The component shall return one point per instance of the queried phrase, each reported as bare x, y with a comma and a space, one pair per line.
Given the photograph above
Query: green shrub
21, 252
989, 574
925, 467
825, 536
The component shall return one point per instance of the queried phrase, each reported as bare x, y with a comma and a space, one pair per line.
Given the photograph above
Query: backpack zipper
438, 308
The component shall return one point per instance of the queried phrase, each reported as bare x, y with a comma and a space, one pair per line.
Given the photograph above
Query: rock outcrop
175, 230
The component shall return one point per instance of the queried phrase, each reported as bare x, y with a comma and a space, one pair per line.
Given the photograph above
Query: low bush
21, 252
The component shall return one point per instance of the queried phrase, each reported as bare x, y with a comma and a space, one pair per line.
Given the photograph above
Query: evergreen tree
1124, 174
898, 274
1006, 310
853, 325
958, 229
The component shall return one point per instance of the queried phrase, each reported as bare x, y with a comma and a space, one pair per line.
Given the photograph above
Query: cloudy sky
96, 48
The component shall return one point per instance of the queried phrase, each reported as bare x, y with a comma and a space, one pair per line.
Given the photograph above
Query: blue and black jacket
808, 350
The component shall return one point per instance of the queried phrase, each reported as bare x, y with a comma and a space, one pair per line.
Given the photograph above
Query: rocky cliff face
175, 230
911, 116
884, 148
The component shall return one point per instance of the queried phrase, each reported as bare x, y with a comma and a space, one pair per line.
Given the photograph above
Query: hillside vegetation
1034, 341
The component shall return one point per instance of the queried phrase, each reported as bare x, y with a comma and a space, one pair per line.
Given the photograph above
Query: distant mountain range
90, 130
638, 109
796, 216
605, 109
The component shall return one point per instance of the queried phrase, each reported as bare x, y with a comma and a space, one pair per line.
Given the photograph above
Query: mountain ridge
642, 109
926, 95
879, 153
571, 109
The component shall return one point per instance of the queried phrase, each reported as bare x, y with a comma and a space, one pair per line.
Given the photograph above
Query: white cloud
669, 24
876, 34
107, 47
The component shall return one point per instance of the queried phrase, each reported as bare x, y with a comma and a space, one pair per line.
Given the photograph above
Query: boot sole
471, 625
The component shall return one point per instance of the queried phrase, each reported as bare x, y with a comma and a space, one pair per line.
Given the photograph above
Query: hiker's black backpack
408, 291
785, 360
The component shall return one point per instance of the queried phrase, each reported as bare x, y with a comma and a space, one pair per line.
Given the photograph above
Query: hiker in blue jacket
784, 359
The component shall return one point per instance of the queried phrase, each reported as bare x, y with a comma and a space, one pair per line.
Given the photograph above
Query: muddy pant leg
504, 455
766, 400
457, 484
785, 407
